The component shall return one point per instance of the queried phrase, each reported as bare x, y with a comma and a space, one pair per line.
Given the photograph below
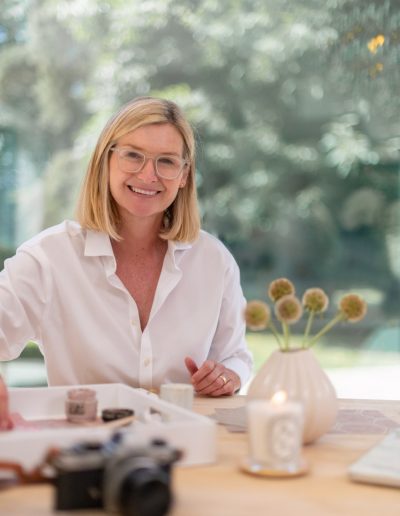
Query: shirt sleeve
24, 297
229, 344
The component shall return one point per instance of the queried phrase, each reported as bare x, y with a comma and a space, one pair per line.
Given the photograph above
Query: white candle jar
275, 435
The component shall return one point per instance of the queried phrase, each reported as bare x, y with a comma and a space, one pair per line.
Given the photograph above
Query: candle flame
279, 397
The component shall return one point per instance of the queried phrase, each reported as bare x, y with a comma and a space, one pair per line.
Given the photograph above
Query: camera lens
145, 492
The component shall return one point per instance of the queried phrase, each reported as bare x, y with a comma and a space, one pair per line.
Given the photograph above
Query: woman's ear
184, 179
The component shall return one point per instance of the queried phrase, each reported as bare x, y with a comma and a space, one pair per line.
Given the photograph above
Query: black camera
119, 477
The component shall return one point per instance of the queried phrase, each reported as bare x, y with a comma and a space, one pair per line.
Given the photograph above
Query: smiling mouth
149, 193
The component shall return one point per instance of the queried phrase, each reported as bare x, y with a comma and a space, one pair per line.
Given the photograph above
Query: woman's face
144, 194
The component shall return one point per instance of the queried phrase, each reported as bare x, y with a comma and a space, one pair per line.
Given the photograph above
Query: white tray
192, 433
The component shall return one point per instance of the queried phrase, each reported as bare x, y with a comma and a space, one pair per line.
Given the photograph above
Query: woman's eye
133, 155
164, 160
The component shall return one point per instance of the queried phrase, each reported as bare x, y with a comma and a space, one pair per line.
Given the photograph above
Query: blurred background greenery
297, 118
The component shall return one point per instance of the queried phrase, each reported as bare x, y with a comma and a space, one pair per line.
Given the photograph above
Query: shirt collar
178, 246
176, 251
97, 244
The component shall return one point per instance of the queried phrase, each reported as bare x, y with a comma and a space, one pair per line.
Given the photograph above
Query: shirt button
146, 362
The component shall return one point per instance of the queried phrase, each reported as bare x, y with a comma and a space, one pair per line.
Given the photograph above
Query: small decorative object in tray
55, 417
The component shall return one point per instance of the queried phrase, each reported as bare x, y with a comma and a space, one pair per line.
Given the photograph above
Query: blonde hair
96, 207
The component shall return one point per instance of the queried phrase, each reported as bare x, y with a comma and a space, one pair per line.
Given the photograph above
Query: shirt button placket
146, 362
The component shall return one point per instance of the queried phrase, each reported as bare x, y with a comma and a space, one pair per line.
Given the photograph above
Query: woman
134, 292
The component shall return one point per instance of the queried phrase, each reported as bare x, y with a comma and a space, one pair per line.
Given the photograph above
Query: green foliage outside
5, 253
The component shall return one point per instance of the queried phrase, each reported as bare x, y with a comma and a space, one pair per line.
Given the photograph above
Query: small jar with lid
81, 405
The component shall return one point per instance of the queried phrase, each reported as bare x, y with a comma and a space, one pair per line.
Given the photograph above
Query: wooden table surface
222, 489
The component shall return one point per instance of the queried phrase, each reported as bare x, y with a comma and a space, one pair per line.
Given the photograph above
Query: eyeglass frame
153, 158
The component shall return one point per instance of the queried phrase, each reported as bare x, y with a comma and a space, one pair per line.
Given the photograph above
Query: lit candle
275, 430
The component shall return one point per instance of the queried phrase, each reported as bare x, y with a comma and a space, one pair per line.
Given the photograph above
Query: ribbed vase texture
299, 373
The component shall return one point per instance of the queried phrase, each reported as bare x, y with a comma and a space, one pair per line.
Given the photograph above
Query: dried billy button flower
257, 315
279, 288
288, 309
315, 300
353, 307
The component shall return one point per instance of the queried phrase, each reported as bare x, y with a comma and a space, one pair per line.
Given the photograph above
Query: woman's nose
148, 172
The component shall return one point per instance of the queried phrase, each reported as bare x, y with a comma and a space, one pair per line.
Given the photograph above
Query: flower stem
326, 328
308, 328
286, 335
275, 333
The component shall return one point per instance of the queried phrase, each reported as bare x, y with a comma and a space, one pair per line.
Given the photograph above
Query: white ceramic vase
299, 373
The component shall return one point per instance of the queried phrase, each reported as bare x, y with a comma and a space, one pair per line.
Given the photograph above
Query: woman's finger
231, 384
5, 421
206, 376
191, 366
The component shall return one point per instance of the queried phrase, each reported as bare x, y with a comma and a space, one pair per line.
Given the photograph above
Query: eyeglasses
133, 161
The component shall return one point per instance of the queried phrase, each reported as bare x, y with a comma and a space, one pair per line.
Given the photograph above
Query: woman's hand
5, 420
212, 378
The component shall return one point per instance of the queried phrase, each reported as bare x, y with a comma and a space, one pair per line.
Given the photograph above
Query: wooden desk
221, 489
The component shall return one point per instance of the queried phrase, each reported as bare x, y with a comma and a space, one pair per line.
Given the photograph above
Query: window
297, 117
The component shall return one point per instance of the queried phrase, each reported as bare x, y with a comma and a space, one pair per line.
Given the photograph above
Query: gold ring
224, 379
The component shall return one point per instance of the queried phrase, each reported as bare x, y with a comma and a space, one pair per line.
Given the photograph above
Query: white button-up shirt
61, 291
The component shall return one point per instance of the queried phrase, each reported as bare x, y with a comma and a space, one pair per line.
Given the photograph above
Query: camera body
123, 478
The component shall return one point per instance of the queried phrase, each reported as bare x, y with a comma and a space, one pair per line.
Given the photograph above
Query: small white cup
178, 393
